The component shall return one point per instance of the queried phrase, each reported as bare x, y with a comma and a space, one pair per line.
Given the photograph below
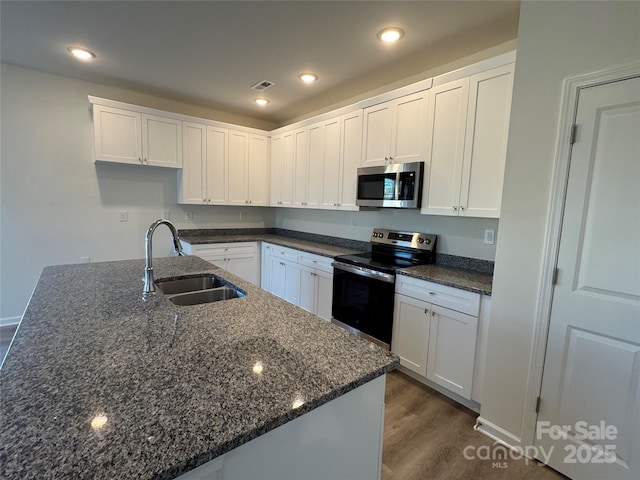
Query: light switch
124, 215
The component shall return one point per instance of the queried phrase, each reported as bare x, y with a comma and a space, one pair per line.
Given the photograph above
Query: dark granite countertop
459, 272
318, 248
452, 277
173, 386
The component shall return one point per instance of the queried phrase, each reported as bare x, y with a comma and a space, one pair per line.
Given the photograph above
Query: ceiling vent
262, 86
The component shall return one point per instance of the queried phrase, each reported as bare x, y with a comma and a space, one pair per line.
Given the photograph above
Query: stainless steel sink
197, 289
207, 296
190, 284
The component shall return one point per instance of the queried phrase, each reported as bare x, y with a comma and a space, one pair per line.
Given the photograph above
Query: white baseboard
9, 321
497, 434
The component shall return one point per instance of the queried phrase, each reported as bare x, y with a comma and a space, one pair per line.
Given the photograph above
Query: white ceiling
210, 52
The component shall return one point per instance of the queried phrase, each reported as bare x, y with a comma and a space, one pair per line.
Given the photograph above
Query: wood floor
425, 435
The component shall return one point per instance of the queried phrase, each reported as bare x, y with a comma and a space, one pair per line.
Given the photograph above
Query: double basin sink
197, 289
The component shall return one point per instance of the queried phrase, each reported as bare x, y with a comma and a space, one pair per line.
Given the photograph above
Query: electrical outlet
489, 236
243, 215
166, 214
353, 223
85, 259
123, 215
189, 215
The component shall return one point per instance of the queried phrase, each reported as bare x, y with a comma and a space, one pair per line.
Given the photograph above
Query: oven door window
364, 303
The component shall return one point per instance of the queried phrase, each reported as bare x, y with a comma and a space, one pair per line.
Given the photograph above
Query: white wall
457, 236
58, 206
556, 40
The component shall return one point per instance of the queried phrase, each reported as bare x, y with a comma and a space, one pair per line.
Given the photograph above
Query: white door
276, 169
300, 167
324, 294
591, 380
307, 298
377, 134
351, 153
410, 340
117, 135
316, 164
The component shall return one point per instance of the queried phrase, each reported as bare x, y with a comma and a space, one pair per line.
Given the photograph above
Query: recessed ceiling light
308, 77
81, 53
390, 35
261, 101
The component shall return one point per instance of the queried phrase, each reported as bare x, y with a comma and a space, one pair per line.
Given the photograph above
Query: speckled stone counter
452, 277
318, 248
175, 385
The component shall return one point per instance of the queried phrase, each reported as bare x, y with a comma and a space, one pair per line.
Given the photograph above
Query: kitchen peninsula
100, 384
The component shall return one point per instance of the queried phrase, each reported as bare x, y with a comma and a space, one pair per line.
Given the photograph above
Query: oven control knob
420, 240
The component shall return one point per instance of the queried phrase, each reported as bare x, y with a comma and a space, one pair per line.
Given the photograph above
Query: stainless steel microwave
398, 185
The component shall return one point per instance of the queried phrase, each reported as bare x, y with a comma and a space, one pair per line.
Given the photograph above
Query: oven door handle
365, 272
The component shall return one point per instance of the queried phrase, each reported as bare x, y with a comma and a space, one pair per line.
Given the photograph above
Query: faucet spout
149, 284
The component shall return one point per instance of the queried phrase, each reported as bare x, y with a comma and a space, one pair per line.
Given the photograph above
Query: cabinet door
452, 350
288, 156
351, 159
238, 159
301, 157
292, 282
276, 169
318, 163
244, 266
324, 294
308, 291
331, 158
445, 137
193, 176
161, 141
411, 329
117, 135
217, 165
408, 129
258, 170
486, 142
265, 269
278, 277
377, 134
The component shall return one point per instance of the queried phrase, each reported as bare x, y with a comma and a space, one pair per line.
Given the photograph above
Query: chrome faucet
149, 285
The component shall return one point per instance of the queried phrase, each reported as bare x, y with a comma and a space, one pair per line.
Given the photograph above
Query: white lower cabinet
284, 273
302, 278
316, 284
436, 335
241, 259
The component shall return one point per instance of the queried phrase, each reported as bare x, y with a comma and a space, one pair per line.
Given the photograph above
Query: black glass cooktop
386, 264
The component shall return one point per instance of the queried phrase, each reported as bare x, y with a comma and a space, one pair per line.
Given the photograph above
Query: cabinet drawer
316, 261
284, 253
221, 249
448, 297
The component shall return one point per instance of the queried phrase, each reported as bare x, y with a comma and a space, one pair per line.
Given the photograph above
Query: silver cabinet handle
461, 208
454, 208
140, 160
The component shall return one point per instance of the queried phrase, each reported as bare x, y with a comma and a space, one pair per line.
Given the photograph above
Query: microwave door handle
397, 192
365, 272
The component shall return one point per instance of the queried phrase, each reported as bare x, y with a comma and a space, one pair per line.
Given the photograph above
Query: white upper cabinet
203, 176
282, 169
350, 158
486, 142
258, 170
317, 163
238, 168
217, 166
125, 136
192, 184
394, 131
300, 167
467, 132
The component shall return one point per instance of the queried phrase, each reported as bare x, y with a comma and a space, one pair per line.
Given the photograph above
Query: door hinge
538, 404
572, 136
554, 279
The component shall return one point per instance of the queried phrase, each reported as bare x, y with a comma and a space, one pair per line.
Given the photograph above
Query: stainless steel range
364, 283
